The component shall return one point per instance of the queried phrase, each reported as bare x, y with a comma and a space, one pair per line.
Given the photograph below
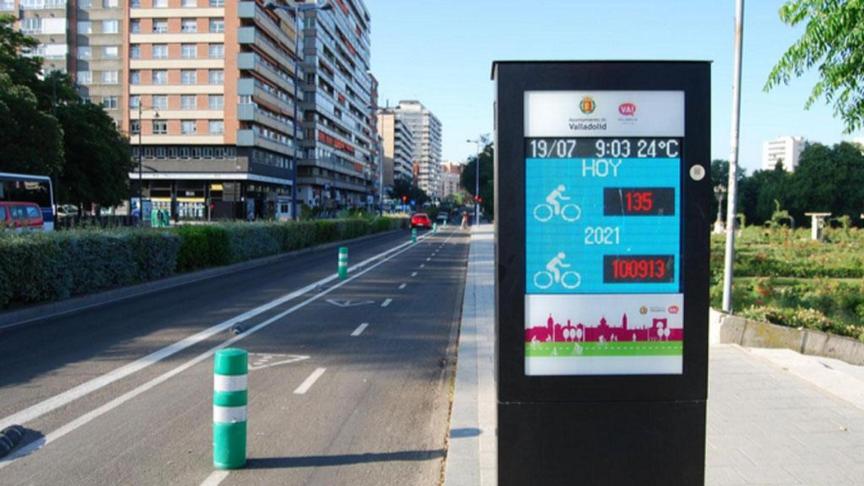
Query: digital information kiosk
602, 211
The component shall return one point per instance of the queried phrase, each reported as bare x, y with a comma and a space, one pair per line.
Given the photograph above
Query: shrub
202, 246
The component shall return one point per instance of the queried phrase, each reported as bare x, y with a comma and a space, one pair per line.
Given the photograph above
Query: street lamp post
141, 163
296, 10
481, 141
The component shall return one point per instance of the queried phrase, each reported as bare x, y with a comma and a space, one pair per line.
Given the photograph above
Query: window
135, 3
110, 52
84, 77
135, 26
84, 52
31, 25
217, 127
217, 3
110, 77
188, 127
188, 76
217, 51
160, 127
84, 27
160, 102
84, 3
134, 101
160, 51
160, 26
188, 102
134, 126
109, 3
189, 25
110, 102
110, 26
216, 76
160, 76
190, 3
135, 51
135, 77
160, 3
216, 102
189, 51
217, 25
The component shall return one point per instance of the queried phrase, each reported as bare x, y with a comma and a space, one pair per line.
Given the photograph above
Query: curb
39, 312
756, 334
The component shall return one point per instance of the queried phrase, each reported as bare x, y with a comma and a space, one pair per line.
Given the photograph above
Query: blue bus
29, 188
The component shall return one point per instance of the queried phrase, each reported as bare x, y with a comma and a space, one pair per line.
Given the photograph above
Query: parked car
443, 219
21, 216
421, 220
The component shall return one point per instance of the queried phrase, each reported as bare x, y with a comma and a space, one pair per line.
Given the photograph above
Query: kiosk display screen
603, 246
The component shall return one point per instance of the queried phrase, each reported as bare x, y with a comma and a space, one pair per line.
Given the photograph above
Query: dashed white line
308, 382
413, 274
402, 286
215, 478
422, 265
386, 302
429, 259
360, 329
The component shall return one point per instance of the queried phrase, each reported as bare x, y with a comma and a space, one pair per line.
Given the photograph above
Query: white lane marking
428, 259
61, 399
259, 361
307, 384
413, 274
422, 265
360, 329
386, 302
102, 410
402, 286
215, 478
349, 302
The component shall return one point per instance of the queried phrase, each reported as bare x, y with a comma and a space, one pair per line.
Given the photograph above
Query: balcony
248, 138
249, 10
252, 62
249, 36
250, 112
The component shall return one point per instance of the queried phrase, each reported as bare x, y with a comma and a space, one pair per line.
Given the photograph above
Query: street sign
602, 284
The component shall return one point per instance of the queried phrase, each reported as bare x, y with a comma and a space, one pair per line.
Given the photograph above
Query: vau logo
627, 109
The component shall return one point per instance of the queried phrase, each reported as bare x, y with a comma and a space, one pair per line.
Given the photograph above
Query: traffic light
404, 199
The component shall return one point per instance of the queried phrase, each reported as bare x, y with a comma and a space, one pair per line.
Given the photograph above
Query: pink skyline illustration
657, 329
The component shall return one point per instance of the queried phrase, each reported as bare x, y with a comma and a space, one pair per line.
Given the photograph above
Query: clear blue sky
440, 52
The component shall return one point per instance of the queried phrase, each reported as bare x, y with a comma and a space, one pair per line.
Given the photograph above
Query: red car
421, 220
20, 216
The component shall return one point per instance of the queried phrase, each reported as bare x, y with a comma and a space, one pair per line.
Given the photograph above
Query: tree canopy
833, 42
487, 178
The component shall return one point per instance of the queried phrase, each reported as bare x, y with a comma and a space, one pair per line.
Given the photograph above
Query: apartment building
451, 173
337, 165
786, 150
212, 106
398, 146
98, 40
426, 131
46, 21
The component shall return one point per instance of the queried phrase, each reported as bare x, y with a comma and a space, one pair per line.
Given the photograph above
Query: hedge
42, 267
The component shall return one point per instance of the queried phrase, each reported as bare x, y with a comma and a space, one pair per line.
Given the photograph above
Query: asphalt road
122, 394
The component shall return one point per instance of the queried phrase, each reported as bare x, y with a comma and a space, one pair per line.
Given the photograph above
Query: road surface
349, 381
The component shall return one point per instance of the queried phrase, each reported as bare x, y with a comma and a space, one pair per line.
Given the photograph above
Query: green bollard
343, 262
434, 227
230, 368
413, 235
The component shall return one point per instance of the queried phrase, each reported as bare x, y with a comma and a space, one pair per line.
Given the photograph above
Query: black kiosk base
602, 231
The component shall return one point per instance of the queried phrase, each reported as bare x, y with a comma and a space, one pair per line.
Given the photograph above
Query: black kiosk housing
616, 428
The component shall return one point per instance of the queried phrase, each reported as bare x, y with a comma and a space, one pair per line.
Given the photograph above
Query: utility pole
481, 142
732, 199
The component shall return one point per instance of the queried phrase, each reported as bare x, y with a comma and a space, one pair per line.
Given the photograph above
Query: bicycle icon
553, 274
553, 207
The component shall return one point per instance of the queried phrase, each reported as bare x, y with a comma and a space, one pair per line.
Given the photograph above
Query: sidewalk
774, 416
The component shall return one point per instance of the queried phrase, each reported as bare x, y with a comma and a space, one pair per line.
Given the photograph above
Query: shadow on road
341, 460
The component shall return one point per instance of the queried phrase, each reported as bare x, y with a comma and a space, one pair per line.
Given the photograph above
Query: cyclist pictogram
553, 207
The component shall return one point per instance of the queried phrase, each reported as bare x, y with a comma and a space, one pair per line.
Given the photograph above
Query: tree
487, 183
404, 189
833, 40
97, 157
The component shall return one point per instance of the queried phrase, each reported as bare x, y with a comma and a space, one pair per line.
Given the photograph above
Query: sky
441, 51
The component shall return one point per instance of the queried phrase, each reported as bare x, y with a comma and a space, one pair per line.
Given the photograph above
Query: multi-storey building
398, 144
47, 21
426, 130
451, 172
212, 104
337, 165
98, 43
786, 150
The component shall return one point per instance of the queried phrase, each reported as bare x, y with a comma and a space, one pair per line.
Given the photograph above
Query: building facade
786, 150
451, 173
398, 147
426, 131
337, 168
47, 21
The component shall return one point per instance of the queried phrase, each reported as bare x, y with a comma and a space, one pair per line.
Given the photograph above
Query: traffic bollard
343, 262
413, 235
230, 368
434, 227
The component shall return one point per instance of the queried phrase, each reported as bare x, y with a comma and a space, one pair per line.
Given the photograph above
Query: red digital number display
638, 268
638, 201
